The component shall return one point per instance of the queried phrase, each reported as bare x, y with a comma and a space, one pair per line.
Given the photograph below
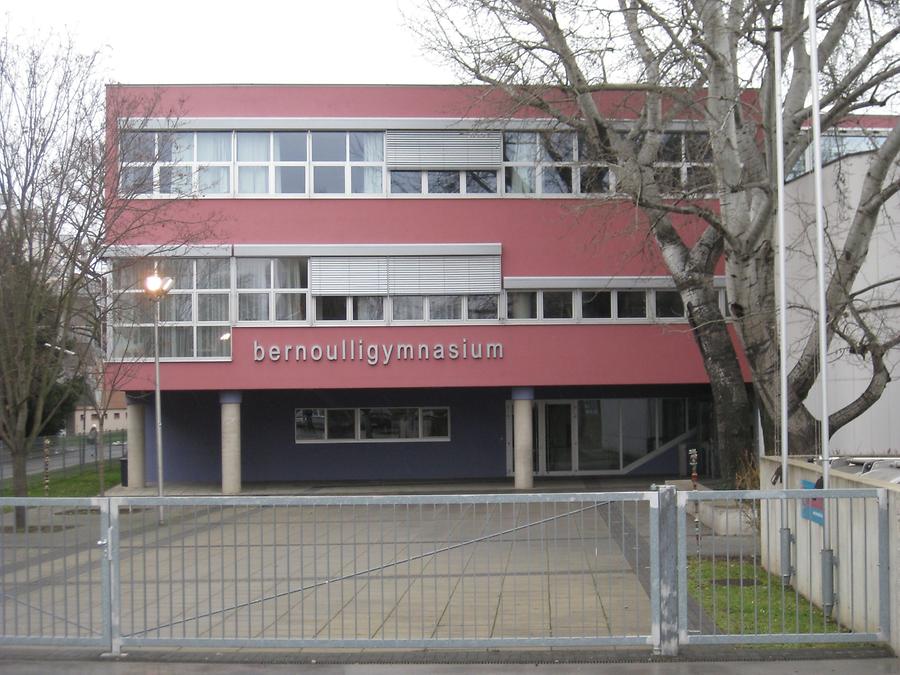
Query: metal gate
541, 570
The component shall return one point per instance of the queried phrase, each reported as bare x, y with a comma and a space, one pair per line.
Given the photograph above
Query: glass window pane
669, 305
254, 273
444, 307
598, 434
366, 146
290, 146
406, 182
672, 421
136, 180
631, 304
253, 306
443, 182
290, 273
212, 307
329, 146
519, 146
290, 306
435, 423
253, 146
596, 305
253, 179
519, 179
557, 146
697, 147
341, 423
557, 304
389, 422
596, 151
213, 180
368, 308
328, 179
213, 341
556, 179
309, 424
482, 306
137, 146
175, 307
213, 273
670, 147
366, 180
176, 341
481, 182
290, 179
521, 305
176, 146
408, 307
181, 270
638, 428
175, 180
700, 179
594, 180
213, 146
331, 308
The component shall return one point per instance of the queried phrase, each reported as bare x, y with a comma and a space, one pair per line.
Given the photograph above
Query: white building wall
878, 430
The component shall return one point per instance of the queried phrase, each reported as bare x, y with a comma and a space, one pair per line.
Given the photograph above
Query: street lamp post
156, 287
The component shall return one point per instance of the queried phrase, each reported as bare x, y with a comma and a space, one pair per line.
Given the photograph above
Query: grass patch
66, 483
743, 598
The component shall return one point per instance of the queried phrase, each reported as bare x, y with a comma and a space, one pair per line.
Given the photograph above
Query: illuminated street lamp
155, 288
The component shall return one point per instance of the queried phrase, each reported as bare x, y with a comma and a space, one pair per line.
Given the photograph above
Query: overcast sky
292, 41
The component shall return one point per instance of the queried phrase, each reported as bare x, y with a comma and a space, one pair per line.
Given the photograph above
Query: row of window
317, 425
341, 163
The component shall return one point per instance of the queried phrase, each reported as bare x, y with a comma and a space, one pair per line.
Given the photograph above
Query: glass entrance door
558, 436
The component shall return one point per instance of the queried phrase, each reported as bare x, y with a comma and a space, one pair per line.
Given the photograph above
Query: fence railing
64, 455
511, 570
764, 570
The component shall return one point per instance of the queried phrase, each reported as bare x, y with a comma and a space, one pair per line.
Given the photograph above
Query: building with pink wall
393, 283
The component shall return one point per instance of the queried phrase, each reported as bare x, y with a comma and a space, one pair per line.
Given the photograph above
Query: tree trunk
733, 409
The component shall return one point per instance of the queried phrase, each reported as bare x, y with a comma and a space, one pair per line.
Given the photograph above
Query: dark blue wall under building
192, 438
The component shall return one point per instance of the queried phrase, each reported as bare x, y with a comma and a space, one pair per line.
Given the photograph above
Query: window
408, 307
272, 289
482, 307
331, 308
669, 305
194, 317
481, 182
406, 182
214, 162
253, 162
368, 308
631, 304
557, 304
521, 305
313, 425
443, 182
596, 304
444, 307
557, 156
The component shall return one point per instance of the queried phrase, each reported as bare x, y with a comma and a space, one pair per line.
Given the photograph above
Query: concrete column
230, 402
135, 439
523, 438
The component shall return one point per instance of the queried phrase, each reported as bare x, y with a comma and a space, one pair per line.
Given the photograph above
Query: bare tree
709, 66
62, 206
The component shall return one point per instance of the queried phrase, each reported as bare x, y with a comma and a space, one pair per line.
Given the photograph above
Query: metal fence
63, 455
787, 566
543, 570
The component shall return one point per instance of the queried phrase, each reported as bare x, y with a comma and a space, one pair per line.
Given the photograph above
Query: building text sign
377, 353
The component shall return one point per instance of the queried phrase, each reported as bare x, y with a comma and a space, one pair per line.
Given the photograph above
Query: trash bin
123, 467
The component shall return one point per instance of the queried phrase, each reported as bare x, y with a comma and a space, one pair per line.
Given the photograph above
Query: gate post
112, 601
668, 570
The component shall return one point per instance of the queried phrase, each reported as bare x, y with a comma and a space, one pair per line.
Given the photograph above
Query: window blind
443, 149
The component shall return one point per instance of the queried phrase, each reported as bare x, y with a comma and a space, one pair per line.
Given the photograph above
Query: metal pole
827, 553
785, 537
159, 452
